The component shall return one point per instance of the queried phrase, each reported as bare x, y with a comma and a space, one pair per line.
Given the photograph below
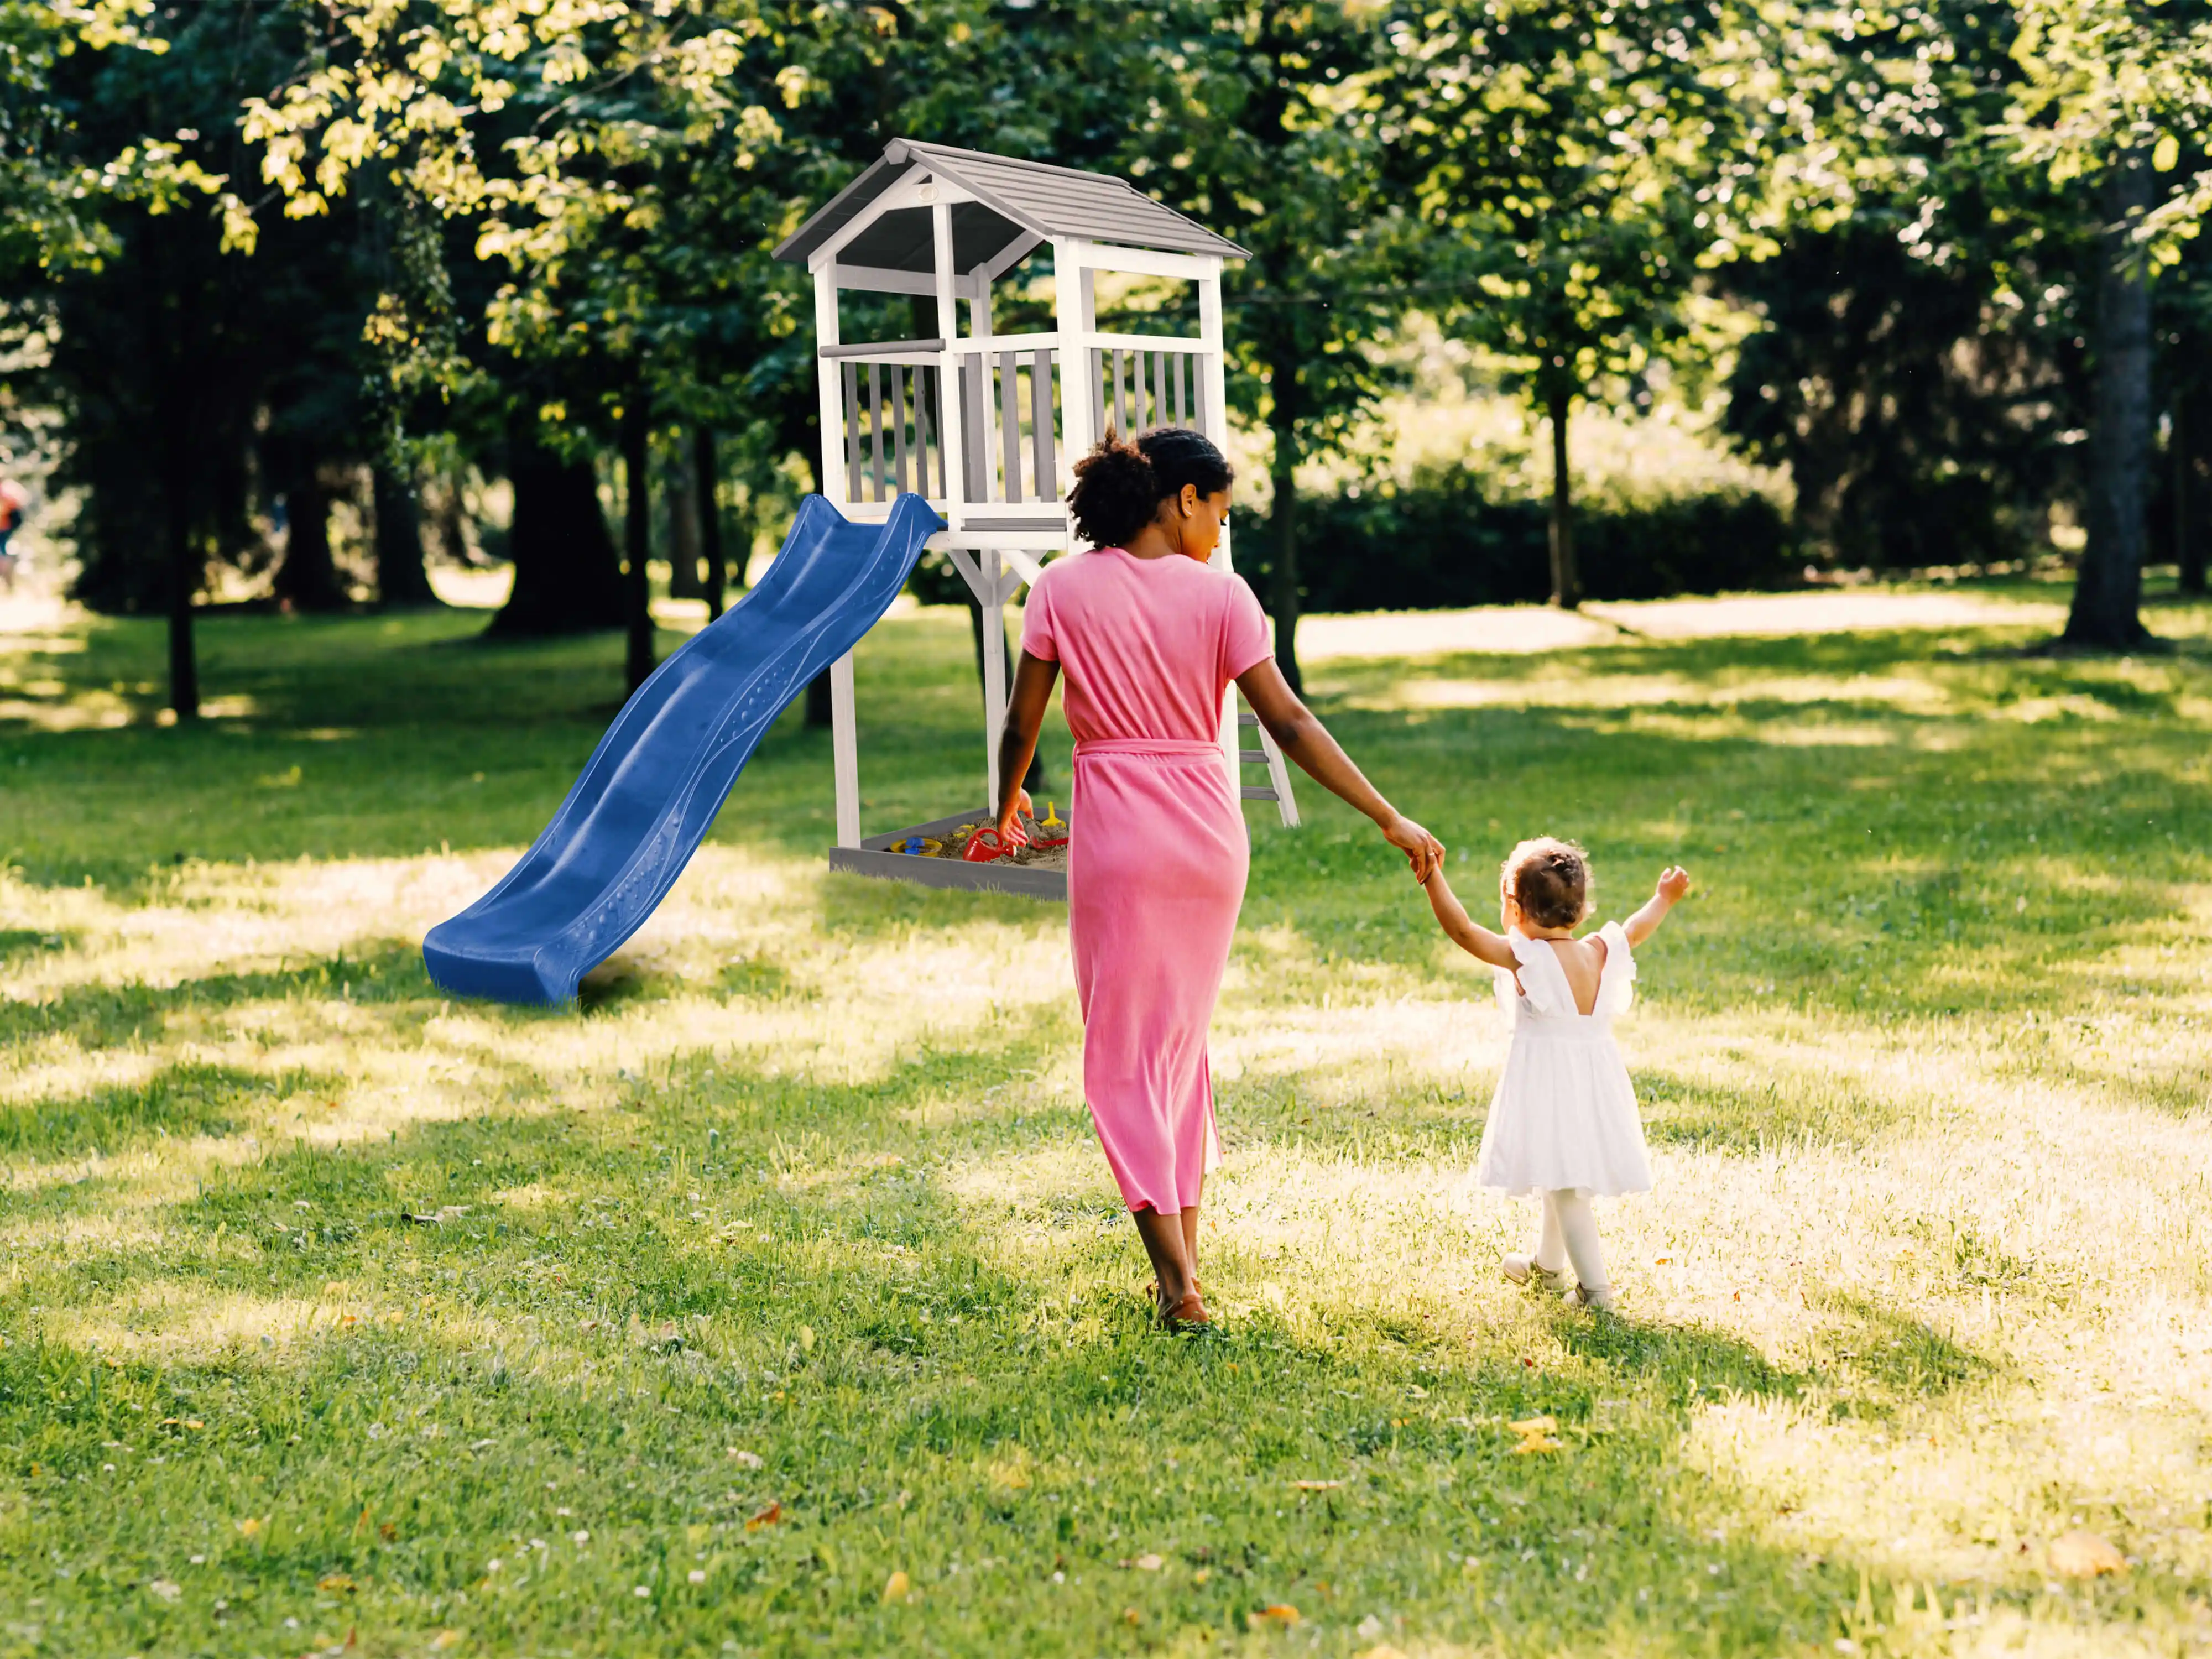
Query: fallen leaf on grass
2085, 1555
766, 1518
167, 1590
1281, 1615
251, 1526
748, 1460
1536, 1443
334, 1582
1144, 1563
1535, 1425
897, 1587
447, 1638
1315, 1486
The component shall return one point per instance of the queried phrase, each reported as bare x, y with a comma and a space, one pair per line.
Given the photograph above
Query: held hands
1674, 883
1423, 851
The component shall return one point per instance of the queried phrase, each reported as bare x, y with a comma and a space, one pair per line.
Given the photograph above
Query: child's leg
1571, 1212
1551, 1253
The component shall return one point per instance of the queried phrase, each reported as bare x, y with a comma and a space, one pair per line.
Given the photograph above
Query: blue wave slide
660, 774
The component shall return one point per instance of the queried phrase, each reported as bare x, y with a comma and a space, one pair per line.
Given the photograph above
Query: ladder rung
1262, 792
1248, 719
1253, 756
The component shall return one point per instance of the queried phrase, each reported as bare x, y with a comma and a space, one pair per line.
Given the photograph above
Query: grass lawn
777, 1301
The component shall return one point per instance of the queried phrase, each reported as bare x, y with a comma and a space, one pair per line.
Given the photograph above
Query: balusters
1010, 425
898, 424
851, 431
1045, 469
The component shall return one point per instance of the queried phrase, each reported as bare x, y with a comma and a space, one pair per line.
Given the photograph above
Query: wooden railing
1162, 391
894, 426
1013, 421
1012, 441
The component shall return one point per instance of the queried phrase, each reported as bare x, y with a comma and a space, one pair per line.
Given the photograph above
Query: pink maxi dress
1157, 860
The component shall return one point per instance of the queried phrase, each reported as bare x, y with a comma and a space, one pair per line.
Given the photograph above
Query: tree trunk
1283, 517
308, 579
2108, 592
185, 569
2188, 522
401, 577
1566, 581
567, 578
680, 489
637, 538
706, 497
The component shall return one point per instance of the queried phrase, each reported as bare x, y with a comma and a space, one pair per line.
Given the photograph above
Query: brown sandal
1187, 1315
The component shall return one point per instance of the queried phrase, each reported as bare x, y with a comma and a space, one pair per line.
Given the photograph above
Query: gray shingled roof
1013, 199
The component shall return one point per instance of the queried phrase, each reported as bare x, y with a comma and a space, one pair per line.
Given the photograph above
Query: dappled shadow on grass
1703, 1115
183, 1099
914, 1400
96, 1015
1879, 1360
609, 1304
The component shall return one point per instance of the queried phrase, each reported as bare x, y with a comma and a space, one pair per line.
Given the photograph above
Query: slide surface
658, 776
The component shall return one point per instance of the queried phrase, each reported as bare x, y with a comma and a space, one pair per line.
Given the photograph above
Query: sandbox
930, 853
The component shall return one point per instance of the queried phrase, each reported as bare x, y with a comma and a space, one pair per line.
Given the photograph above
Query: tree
1577, 165
1267, 130
2109, 95
1917, 364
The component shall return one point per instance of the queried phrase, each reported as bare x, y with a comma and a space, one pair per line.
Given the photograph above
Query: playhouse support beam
845, 751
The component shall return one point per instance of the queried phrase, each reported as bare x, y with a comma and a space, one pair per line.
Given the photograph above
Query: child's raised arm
1469, 934
1674, 882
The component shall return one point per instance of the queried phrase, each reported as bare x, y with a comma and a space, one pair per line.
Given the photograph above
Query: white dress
1565, 1115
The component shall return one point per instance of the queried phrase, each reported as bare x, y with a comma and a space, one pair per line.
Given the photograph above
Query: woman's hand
1010, 821
1423, 851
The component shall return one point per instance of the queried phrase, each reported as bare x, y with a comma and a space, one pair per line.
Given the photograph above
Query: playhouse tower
988, 426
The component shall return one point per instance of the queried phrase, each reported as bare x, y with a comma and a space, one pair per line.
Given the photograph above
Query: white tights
1569, 1235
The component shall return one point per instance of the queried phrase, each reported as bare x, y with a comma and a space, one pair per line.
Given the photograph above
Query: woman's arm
1674, 882
1470, 935
1018, 739
1300, 736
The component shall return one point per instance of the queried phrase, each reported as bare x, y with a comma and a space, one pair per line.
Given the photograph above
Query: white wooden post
845, 752
844, 730
995, 670
979, 328
832, 391
1213, 386
950, 418
1069, 281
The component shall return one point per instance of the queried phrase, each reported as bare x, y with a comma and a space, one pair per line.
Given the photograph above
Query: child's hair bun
1550, 880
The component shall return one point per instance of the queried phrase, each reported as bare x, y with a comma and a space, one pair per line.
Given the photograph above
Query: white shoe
1581, 1296
1522, 1268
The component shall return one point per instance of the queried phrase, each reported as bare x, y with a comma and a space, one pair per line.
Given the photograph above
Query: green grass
335, 1311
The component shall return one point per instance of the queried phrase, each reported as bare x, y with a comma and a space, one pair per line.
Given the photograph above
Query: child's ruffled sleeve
1617, 986
1543, 982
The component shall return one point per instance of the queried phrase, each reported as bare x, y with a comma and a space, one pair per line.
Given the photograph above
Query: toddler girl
1564, 1124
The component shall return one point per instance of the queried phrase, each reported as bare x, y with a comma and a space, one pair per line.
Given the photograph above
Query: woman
1150, 638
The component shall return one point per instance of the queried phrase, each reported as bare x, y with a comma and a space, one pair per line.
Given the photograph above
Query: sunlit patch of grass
788, 1258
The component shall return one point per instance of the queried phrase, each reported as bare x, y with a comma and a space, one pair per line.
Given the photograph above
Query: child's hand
1674, 883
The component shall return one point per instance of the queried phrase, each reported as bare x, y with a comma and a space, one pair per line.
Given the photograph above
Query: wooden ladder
1278, 786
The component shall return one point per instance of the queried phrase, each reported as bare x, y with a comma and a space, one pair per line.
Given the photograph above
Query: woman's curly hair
1119, 485
1550, 880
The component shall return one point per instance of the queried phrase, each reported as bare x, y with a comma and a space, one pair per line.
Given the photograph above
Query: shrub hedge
1444, 541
